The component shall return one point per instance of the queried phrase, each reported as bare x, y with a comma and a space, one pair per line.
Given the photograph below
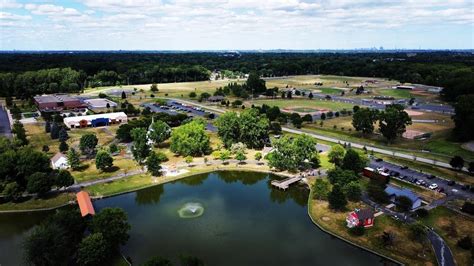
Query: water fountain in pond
191, 210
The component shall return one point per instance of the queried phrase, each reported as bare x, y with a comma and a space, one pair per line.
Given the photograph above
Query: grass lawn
32, 204
284, 103
452, 226
330, 91
394, 93
90, 172
409, 252
178, 89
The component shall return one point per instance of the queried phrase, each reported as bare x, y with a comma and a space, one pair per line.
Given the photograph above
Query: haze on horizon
235, 24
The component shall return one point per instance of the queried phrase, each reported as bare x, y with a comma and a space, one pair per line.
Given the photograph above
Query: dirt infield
305, 110
412, 134
414, 113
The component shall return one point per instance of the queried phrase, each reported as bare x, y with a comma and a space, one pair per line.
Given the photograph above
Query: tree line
452, 70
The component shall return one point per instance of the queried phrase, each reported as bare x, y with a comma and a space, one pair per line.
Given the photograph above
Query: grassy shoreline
334, 224
125, 185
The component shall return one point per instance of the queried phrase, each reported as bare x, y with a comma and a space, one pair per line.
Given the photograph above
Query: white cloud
52, 10
9, 4
13, 17
237, 21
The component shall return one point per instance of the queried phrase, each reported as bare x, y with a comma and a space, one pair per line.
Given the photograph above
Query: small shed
360, 217
85, 204
59, 161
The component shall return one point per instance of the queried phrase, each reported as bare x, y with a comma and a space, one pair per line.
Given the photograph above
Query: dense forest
26, 74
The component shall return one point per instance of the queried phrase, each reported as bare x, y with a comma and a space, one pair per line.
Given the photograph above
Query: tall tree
88, 143
140, 148
228, 128
153, 164
354, 161
159, 132
190, 139
20, 133
73, 159
457, 162
321, 189
393, 121
103, 160
113, 225
62, 135
39, 183
93, 250
336, 198
464, 117
255, 84
364, 119
293, 153
336, 154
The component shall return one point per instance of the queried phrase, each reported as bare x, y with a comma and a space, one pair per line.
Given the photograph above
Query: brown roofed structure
85, 203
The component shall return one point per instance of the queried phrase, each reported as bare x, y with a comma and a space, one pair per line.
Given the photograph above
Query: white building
59, 161
97, 120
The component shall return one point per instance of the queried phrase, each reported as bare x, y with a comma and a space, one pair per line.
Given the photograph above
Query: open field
178, 89
452, 226
409, 252
319, 104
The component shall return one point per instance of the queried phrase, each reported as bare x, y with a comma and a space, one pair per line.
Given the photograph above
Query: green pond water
224, 218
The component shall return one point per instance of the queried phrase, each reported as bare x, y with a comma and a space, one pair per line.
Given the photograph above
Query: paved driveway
5, 129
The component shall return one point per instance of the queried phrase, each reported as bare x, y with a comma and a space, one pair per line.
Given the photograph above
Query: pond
224, 218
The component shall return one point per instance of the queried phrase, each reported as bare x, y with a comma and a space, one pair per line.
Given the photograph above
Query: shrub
357, 231
465, 243
422, 213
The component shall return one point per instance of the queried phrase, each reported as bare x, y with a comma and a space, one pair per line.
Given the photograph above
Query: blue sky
235, 24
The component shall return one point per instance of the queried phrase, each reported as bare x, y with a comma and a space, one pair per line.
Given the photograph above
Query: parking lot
423, 179
174, 108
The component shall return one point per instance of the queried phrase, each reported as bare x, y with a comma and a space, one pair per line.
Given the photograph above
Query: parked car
404, 177
431, 176
404, 167
440, 189
451, 183
418, 182
414, 180
433, 186
465, 187
379, 160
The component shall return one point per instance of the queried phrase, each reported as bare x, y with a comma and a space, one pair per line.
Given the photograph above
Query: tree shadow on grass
111, 169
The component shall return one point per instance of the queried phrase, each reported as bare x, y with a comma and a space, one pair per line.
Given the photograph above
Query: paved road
442, 251
5, 128
334, 140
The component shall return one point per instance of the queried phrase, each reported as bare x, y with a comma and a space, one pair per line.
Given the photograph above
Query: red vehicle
374, 174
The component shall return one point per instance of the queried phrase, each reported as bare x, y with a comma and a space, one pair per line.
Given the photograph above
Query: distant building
85, 204
404, 87
99, 104
97, 120
215, 99
59, 161
358, 217
394, 192
57, 102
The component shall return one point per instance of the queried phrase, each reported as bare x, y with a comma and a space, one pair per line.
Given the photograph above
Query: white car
433, 186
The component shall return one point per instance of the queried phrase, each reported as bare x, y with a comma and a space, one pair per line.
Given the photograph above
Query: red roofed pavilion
85, 203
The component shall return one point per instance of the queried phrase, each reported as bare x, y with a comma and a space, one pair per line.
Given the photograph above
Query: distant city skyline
192, 25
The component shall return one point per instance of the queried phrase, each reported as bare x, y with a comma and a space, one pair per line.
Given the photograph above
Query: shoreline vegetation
333, 223
127, 185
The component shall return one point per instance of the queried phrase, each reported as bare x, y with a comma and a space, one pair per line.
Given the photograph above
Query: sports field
303, 103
